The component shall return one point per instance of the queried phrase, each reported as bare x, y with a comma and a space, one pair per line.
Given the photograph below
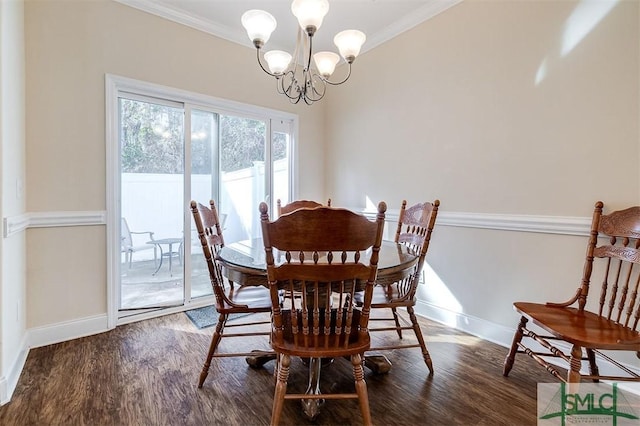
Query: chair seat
385, 296
255, 299
289, 348
586, 329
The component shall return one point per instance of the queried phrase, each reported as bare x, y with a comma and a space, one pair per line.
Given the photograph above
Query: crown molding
428, 11
214, 28
419, 16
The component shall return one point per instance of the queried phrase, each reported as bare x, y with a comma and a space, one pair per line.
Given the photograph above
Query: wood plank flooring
146, 373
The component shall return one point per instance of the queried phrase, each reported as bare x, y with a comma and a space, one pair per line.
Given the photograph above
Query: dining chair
321, 253
295, 205
298, 204
607, 321
229, 299
414, 229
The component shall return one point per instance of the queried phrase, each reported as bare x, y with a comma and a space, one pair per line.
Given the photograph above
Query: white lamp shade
310, 13
277, 60
259, 24
349, 43
326, 63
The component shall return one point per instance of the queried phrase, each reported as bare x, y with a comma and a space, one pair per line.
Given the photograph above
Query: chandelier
294, 76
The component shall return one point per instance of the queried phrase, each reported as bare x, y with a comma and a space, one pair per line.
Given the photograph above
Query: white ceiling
380, 20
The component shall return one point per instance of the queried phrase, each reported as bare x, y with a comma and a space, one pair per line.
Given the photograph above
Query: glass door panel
242, 176
151, 198
281, 162
204, 187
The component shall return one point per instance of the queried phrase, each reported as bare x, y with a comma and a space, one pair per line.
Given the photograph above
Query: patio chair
128, 246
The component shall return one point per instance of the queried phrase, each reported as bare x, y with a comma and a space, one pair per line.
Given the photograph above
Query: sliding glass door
171, 150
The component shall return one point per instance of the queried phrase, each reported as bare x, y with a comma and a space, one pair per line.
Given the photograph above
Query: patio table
170, 253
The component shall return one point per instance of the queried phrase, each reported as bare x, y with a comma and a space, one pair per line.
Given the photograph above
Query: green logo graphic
592, 404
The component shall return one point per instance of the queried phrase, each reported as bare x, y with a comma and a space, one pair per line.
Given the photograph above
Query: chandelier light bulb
326, 63
259, 25
278, 61
349, 43
310, 13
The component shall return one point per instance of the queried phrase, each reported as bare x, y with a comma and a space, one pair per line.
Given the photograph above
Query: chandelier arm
314, 90
339, 82
290, 88
262, 66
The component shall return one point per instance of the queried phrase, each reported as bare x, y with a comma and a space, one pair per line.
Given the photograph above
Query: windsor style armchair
230, 299
316, 252
414, 229
608, 321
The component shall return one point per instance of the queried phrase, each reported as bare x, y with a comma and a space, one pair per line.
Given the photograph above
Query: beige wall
71, 45
12, 155
454, 110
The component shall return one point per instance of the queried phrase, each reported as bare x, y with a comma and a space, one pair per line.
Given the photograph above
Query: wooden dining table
244, 264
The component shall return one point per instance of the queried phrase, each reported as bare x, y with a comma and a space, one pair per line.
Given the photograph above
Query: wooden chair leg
575, 363
276, 368
416, 329
511, 356
397, 320
281, 388
593, 367
215, 340
361, 388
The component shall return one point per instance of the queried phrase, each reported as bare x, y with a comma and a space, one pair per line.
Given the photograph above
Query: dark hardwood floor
146, 373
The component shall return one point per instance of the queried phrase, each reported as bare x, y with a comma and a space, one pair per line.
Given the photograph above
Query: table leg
311, 407
161, 257
170, 259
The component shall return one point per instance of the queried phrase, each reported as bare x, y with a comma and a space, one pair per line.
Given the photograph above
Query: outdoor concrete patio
140, 287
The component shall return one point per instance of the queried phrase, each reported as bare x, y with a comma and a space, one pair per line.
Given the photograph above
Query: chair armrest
567, 303
144, 232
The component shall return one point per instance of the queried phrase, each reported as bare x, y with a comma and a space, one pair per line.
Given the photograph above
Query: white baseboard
8, 384
67, 330
4, 391
475, 326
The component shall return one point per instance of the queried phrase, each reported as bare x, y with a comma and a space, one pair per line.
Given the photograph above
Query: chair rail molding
15, 224
564, 225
